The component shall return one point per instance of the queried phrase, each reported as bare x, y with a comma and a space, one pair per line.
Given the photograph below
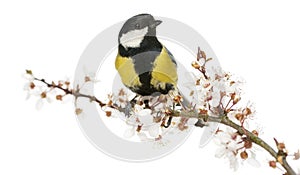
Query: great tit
144, 64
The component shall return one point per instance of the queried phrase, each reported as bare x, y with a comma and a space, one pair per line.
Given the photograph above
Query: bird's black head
136, 28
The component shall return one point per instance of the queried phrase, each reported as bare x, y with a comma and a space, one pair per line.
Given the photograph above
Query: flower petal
143, 136
49, 100
253, 162
154, 130
39, 104
220, 152
233, 162
145, 117
27, 96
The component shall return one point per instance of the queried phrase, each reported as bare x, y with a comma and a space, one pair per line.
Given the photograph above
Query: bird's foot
200, 123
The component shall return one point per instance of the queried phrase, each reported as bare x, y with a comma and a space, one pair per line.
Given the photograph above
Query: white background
258, 40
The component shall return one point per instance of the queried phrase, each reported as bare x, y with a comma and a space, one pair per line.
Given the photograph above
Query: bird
144, 64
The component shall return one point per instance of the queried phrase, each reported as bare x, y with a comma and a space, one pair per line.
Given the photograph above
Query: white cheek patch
133, 38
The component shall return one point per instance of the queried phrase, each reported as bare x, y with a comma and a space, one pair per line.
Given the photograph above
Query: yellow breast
164, 71
125, 67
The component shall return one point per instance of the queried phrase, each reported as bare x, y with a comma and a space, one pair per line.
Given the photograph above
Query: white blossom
217, 72
40, 102
120, 101
216, 97
154, 130
28, 77
116, 113
29, 85
145, 117
251, 160
143, 137
232, 115
28, 90
89, 76
229, 143
160, 142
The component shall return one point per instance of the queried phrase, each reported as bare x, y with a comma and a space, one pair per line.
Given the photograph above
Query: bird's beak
156, 23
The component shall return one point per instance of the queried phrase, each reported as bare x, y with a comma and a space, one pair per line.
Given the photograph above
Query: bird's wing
171, 56
165, 68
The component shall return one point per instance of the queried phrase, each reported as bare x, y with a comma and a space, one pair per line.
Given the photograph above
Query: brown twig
241, 130
76, 93
279, 156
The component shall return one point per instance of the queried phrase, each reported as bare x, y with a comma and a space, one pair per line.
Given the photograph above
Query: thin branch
76, 93
280, 156
241, 130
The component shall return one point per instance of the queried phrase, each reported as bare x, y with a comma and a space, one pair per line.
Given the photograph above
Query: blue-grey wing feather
171, 56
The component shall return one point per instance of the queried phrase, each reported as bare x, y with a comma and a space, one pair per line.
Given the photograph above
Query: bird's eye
137, 26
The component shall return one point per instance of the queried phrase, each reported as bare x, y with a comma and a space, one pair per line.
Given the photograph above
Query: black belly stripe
143, 58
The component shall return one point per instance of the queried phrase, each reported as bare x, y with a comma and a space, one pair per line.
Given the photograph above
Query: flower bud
272, 164
67, 83
59, 97
197, 82
196, 65
87, 79
108, 113
78, 111
247, 143
177, 99
139, 128
247, 111
203, 111
168, 112
239, 116
43, 95
244, 155
235, 98
255, 132
281, 146
31, 85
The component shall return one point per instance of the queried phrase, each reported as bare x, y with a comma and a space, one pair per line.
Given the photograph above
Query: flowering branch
64, 86
220, 95
280, 156
76, 93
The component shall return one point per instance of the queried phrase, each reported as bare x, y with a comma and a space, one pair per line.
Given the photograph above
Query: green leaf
28, 72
